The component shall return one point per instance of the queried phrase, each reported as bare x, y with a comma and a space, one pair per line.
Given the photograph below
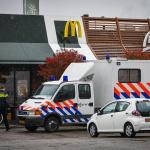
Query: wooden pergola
114, 36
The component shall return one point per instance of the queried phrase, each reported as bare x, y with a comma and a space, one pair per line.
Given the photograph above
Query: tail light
136, 113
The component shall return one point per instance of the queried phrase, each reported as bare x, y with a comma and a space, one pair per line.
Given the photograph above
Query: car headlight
31, 113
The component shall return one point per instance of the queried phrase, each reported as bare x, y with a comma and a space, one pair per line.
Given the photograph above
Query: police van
82, 89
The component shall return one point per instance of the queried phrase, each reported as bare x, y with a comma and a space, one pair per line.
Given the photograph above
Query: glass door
22, 86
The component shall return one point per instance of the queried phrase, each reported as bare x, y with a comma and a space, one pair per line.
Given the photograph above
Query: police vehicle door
66, 102
85, 99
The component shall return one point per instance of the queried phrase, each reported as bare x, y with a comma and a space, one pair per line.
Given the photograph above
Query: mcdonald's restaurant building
23, 46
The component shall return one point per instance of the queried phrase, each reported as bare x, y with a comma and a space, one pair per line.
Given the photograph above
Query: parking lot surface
69, 138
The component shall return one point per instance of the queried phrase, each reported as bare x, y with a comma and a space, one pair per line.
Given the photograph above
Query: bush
56, 65
137, 54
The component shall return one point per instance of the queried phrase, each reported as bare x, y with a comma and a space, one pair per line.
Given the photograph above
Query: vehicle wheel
93, 130
1, 118
129, 130
30, 128
51, 124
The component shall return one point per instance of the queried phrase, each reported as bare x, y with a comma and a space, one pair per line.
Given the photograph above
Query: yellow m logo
73, 28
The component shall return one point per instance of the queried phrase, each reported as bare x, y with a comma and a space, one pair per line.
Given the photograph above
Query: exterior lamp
52, 78
108, 58
84, 58
65, 78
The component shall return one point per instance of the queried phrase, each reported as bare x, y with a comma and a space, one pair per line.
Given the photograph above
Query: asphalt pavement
69, 138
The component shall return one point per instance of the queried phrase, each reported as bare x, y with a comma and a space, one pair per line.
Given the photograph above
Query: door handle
111, 115
90, 104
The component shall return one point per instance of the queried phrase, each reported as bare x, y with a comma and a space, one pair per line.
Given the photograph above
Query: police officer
4, 106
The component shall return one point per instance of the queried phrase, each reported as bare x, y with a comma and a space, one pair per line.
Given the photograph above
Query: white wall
52, 39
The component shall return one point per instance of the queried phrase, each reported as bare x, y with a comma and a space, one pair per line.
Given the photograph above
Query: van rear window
129, 75
143, 107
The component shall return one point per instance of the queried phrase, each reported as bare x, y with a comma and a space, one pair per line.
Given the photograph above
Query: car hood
93, 116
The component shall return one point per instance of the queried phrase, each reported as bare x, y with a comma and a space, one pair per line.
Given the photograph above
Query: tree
56, 65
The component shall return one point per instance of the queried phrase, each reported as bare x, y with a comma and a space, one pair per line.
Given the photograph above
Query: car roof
133, 99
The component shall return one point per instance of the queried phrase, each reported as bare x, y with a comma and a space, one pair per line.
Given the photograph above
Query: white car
124, 116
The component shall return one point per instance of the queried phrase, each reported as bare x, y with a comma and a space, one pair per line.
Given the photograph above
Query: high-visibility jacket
3, 94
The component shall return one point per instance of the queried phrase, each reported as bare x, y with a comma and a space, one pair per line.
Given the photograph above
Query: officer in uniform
4, 106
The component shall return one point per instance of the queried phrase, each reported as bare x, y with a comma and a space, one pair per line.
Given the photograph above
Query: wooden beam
119, 34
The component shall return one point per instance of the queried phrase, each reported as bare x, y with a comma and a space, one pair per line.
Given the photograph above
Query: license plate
147, 119
23, 113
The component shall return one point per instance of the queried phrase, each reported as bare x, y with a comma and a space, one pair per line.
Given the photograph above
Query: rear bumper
141, 126
34, 121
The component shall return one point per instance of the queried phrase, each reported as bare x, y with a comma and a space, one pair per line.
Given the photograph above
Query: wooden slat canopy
114, 36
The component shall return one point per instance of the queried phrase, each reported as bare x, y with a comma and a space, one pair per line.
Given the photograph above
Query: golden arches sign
73, 25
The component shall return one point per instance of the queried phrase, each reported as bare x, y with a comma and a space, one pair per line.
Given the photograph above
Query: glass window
109, 108
129, 75
143, 107
31, 7
47, 90
22, 86
84, 91
65, 93
122, 106
69, 42
135, 75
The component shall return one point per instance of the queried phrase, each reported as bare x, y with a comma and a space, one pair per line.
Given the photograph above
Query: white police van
82, 89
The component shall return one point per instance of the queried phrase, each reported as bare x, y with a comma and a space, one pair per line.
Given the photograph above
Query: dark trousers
5, 120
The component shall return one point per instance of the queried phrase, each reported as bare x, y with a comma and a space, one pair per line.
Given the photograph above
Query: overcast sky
107, 8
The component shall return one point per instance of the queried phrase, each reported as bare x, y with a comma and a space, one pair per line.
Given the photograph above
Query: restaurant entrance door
22, 80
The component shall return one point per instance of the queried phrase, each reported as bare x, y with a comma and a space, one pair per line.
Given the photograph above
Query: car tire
51, 124
30, 127
93, 130
129, 130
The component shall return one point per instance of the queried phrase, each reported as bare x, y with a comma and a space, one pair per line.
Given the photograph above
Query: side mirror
59, 97
99, 112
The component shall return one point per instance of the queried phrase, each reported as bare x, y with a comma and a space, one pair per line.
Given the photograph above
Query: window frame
79, 91
119, 104
129, 80
101, 111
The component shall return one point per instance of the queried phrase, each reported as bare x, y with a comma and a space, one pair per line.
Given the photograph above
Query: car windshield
143, 107
46, 90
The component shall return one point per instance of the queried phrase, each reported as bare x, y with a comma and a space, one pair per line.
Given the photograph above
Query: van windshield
143, 107
46, 90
